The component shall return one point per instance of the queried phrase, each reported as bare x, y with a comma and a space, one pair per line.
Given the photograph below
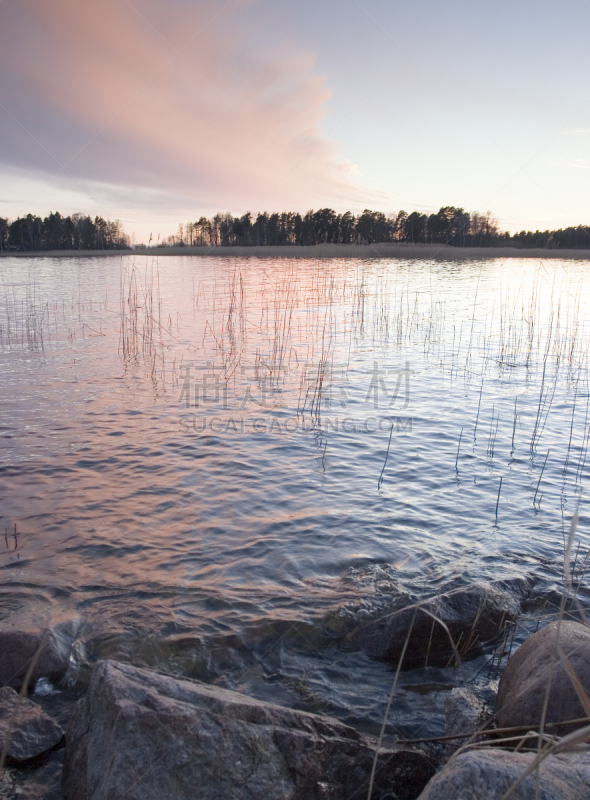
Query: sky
159, 111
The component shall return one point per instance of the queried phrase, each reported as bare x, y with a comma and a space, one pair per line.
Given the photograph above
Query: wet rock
25, 729
472, 615
6, 785
465, 712
29, 635
41, 780
142, 735
488, 694
534, 667
489, 774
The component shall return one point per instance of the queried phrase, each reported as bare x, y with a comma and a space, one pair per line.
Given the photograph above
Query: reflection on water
223, 463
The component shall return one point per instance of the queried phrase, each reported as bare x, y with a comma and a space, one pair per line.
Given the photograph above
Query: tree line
450, 225
77, 232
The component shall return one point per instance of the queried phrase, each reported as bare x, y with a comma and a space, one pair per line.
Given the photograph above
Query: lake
224, 464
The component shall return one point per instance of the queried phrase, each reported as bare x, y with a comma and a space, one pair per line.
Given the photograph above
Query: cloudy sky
158, 111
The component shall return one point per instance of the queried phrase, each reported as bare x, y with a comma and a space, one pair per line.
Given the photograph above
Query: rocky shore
138, 733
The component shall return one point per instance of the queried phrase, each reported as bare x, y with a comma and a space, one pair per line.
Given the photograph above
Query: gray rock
30, 634
488, 694
474, 614
25, 729
6, 786
488, 774
534, 667
142, 735
465, 712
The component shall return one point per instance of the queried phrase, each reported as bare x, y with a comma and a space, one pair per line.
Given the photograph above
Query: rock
142, 735
536, 665
488, 774
6, 785
30, 633
488, 694
41, 780
465, 712
474, 614
25, 729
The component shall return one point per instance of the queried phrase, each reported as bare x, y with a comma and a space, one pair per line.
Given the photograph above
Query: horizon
449, 226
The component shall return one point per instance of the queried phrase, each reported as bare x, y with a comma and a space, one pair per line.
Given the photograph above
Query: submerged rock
366, 592
489, 774
142, 735
535, 667
472, 615
30, 636
26, 731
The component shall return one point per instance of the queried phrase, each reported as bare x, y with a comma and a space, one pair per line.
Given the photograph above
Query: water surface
221, 464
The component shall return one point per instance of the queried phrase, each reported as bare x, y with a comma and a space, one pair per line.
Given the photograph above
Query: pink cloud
103, 85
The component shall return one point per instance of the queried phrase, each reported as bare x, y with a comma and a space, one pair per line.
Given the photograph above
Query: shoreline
73, 692
319, 251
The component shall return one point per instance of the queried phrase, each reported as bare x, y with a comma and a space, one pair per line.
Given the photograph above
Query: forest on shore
449, 226
78, 232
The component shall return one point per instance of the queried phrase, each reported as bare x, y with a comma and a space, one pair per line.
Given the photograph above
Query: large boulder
535, 667
32, 634
472, 615
489, 774
142, 735
26, 731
